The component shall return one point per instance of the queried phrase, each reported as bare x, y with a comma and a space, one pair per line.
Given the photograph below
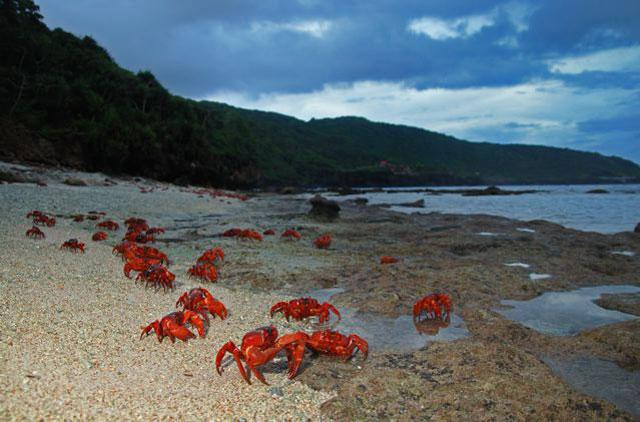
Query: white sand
71, 323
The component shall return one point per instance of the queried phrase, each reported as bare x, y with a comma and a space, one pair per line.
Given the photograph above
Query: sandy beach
72, 322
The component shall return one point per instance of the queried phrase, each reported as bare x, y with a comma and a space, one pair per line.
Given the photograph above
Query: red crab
138, 264
305, 307
73, 245
131, 251
123, 247
250, 234
291, 234
200, 301
93, 217
386, 259
34, 213
333, 343
99, 236
43, 220
78, 218
109, 225
158, 275
173, 326
431, 327
323, 242
211, 255
268, 232
155, 230
35, 233
204, 270
136, 224
435, 305
232, 232
259, 347
140, 237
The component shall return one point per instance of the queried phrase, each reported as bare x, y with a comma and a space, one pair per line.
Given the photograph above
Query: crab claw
231, 348
194, 320
362, 345
280, 307
155, 326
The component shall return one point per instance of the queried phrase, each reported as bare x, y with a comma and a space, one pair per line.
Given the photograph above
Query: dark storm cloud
198, 47
262, 52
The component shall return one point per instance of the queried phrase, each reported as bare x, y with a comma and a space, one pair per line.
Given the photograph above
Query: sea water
568, 205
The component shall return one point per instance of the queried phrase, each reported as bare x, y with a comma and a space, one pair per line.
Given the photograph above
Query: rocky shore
72, 322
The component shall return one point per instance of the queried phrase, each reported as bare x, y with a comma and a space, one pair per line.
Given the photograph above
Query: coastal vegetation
65, 101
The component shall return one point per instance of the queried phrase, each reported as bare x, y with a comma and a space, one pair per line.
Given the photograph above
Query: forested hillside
64, 101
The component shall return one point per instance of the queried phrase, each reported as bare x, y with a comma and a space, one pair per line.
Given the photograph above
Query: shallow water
566, 313
568, 205
383, 333
602, 379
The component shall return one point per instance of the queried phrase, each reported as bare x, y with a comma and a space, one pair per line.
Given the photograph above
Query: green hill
63, 100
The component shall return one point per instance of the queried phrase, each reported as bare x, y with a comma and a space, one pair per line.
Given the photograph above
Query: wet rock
11, 177
323, 208
289, 190
72, 181
361, 201
637, 229
598, 191
416, 204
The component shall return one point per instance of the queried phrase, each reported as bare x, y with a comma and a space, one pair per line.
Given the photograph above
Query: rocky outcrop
323, 208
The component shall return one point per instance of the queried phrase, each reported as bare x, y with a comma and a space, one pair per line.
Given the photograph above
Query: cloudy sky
553, 72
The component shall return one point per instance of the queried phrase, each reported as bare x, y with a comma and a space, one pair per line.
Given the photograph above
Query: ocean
568, 205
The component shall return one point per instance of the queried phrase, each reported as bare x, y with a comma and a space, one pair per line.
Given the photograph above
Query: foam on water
624, 253
536, 277
566, 313
517, 264
525, 230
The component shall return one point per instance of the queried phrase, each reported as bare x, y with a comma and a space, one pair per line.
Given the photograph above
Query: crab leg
231, 348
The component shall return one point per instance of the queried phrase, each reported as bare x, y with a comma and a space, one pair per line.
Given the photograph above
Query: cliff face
63, 100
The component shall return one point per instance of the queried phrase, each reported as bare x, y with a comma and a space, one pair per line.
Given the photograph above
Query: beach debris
323, 208
305, 307
109, 225
291, 234
323, 242
73, 245
261, 346
35, 233
434, 306
200, 301
157, 275
173, 326
386, 259
99, 236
